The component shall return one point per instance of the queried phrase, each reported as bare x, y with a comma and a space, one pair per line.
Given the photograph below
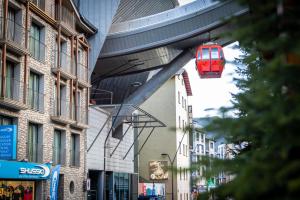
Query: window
179, 126
11, 24
211, 145
39, 3
33, 143
187, 152
202, 137
75, 150
183, 124
197, 136
182, 101
183, 149
59, 147
34, 91
36, 45
122, 182
62, 103
6, 120
10, 80
180, 173
178, 97
205, 54
214, 53
179, 148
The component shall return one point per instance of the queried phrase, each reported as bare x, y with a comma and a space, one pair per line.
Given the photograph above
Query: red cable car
210, 60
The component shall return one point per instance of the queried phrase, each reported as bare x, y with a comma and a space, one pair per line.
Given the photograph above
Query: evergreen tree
267, 106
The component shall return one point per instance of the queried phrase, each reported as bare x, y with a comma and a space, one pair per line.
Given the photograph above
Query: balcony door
11, 19
10, 83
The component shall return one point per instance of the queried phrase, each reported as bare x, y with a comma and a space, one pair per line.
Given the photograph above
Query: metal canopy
123, 113
140, 119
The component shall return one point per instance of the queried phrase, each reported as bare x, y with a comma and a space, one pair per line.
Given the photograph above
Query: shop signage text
24, 170
8, 142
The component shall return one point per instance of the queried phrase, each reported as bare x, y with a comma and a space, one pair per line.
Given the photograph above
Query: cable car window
221, 55
205, 53
214, 53
199, 55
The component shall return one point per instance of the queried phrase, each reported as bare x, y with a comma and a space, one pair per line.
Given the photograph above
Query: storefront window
121, 186
17, 190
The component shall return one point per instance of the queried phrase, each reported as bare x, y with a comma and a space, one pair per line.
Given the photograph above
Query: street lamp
171, 162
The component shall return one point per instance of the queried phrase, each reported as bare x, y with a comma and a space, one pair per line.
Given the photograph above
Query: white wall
97, 118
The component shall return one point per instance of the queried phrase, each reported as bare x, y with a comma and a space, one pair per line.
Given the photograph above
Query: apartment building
207, 144
169, 145
44, 93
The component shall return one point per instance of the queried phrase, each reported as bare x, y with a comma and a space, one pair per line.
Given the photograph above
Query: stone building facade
44, 88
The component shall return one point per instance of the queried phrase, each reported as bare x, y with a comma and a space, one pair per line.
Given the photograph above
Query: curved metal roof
152, 41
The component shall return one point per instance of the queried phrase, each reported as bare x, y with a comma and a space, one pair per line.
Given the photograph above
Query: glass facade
117, 186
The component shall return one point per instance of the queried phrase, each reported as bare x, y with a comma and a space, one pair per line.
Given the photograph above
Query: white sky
215, 92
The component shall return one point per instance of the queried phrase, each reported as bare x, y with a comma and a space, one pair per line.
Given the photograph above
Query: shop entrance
17, 190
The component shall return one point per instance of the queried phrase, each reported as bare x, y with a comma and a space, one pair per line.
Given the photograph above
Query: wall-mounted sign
24, 170
158, 170
8, 142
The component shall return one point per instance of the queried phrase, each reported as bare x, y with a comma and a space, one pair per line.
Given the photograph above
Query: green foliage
268, 105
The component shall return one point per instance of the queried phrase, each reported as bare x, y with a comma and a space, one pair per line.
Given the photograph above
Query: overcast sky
215, 92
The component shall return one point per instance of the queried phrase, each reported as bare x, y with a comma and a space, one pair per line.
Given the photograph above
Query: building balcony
80, 117
64, 66
13, 93
35, 100
82, 75
14, 36
60, 112
47, 7
37, 49
67, 19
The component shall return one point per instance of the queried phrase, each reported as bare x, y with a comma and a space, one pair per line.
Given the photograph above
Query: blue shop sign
8, 142
24, 170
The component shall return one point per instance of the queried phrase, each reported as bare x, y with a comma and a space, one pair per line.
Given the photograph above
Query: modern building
44, 93
169, 146
112, 150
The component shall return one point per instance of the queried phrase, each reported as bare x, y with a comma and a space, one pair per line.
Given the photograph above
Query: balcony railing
82, 72
63, 111
37, 49
15, 32
65, 62
13, 89
35, 100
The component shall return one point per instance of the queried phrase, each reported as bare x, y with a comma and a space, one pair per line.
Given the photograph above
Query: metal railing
15, 32
101, 97
63, 111
37, 49
13, 88
65, 62
35, 100
82, 72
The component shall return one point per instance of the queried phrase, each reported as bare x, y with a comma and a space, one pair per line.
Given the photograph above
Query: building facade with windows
44, 89
170, 104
